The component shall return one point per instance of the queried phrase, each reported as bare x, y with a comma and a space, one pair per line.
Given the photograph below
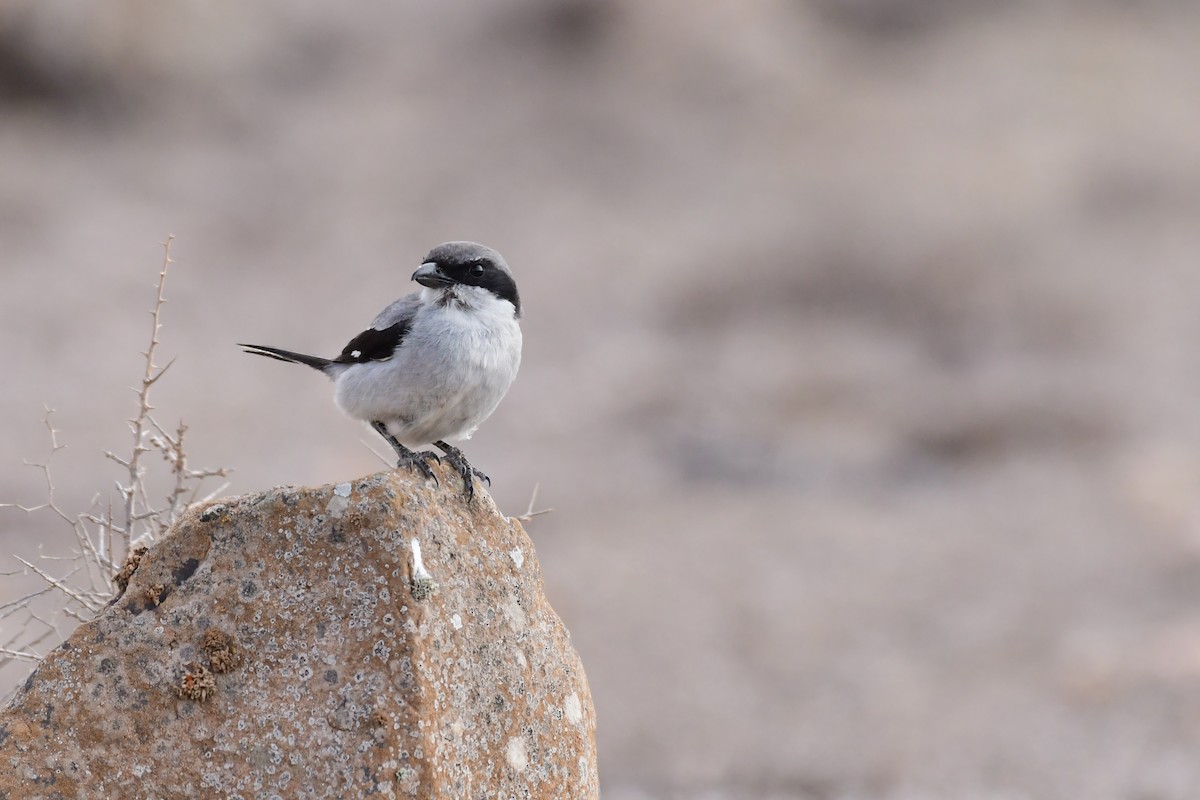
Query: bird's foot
455, 458
417, 462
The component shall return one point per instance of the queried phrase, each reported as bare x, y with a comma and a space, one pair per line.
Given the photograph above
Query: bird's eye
477, 270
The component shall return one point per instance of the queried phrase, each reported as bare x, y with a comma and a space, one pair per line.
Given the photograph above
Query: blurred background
862, 343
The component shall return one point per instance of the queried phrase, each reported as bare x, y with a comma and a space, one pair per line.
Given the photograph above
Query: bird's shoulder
387, 332
401, 311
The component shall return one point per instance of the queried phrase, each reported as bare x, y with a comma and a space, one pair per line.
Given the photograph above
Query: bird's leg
415, 461
455, 458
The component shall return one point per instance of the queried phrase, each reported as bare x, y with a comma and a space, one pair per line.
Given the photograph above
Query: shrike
434, 364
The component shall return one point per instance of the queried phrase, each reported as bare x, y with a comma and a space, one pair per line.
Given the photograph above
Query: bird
434, 364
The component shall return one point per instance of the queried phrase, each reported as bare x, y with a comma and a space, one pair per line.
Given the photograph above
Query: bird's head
468, 273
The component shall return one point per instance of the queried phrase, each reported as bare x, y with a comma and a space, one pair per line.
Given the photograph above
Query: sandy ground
861, 343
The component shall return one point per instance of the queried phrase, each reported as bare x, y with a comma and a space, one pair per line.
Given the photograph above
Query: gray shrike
434, 364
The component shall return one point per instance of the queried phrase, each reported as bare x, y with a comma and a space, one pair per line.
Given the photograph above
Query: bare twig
385, 460
107, 533
13, 606
529, 512
137, 425
82, 598
19, 655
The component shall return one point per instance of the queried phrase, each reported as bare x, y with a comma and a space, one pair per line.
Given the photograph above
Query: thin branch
116, 521
63, 587
18, 655
529, 512
382, 458
47, 632
12, 606
138, 424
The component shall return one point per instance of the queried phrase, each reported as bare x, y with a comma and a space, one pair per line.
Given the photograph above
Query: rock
375, 638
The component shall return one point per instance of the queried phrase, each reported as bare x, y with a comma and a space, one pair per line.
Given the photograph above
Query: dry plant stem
136, 488
529, 512
142, 520
13, 606
83, 599
27, 652
95, 564
173, 451
102, 541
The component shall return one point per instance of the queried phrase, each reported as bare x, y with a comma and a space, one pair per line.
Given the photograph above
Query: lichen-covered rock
374, 638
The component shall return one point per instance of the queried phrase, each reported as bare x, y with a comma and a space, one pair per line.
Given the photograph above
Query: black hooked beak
431, 275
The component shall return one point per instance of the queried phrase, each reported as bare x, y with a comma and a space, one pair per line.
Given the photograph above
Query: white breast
448, 375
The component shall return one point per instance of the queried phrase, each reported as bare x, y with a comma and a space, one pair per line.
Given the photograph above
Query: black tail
287, 355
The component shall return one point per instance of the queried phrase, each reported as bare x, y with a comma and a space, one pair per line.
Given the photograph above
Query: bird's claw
419, 462
457, 461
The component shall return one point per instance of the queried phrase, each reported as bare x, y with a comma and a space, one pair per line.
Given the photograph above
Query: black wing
374, 344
